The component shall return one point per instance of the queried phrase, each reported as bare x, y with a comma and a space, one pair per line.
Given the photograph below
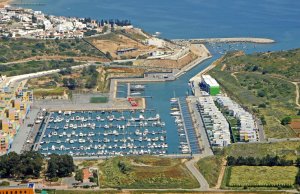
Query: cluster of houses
247, 126
15, 103
215, 123
27, 23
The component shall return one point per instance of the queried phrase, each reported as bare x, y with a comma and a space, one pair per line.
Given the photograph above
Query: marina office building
210, 85
15, 102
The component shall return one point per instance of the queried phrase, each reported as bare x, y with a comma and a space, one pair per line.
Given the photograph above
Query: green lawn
145, 172
59, 91
100, 99
262, 176
210, 168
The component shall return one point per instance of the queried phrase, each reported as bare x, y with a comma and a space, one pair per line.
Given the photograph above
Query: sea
275, 19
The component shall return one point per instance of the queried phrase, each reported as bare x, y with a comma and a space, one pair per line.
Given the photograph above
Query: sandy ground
4, 2
121, 42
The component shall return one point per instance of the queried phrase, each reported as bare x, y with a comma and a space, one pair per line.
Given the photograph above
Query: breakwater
225, 40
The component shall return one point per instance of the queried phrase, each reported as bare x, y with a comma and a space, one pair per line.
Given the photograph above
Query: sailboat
173, 100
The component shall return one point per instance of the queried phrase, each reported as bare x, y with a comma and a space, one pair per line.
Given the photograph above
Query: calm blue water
276, 19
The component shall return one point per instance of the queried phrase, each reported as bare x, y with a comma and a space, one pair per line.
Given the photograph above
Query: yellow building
15, 101
17, 190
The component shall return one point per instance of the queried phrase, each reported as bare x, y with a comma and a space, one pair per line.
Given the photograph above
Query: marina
100, 133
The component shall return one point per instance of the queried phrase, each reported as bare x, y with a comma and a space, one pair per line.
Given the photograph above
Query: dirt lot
295, 125
168, 63
118, 42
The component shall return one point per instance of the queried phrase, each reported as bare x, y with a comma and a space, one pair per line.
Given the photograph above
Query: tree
31, 164
298, 162
69, 83
66, 71
298, 178
79, 175
286, 120
261, 93
52, 169
123, 167
60, 166
28, 164
108, 55
231, 161
298, 112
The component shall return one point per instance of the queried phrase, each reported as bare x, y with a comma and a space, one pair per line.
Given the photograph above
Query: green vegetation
4, 184
91, 75
262, 176
57, 91
264, 161
286, 120
35, 66
156, 191
60, 166
233, 123
100, 99
25, 165
286, 150
145, 172
17, 49
79, 175
210, 168
261, 82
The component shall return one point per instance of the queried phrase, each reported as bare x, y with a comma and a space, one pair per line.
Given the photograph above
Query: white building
215, 123
247, 128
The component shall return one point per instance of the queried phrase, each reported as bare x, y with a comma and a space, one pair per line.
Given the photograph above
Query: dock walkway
188, 126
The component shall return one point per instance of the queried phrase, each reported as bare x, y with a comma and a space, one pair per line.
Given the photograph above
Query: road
297, 93
24, 132
261, 132
204, 186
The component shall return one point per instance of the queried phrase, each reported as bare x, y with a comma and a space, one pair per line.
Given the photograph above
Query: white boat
66, 126
176, 113
173, 100
135, 93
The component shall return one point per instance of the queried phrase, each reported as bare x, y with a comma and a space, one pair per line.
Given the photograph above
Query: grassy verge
262, 176
100, 99
59, 91
145, 173
210, 168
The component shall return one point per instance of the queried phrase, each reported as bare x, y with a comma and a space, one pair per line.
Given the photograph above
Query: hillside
264, 83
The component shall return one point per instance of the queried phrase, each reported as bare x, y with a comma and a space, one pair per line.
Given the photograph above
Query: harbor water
275, 19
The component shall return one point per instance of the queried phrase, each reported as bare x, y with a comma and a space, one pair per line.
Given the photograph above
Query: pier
36, 145
27, 4
188, 126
